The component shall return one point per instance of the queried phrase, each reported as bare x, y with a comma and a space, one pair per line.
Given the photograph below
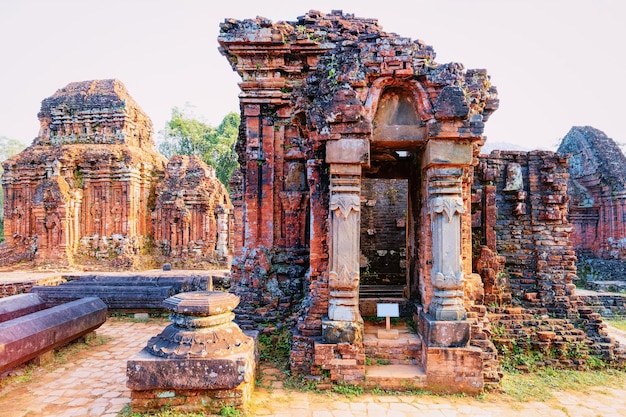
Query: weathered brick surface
529, 220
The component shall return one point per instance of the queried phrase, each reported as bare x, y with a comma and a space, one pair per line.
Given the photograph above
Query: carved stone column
446, 273
445, 325
344, 323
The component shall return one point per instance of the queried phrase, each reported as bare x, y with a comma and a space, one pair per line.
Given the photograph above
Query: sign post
387, 310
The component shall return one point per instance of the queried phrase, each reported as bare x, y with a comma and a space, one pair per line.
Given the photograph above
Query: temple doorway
389, 236
390, 205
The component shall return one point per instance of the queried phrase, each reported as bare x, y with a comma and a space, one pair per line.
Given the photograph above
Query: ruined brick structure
598, 192
327, 101
524, 254
86, 186
519, 211
193, 215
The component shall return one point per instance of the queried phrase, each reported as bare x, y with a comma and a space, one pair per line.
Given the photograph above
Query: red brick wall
528, 227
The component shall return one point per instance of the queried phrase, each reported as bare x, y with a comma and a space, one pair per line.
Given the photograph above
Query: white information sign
388, 310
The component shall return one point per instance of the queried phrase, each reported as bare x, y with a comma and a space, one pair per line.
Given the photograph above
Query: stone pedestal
438, 333
201, 362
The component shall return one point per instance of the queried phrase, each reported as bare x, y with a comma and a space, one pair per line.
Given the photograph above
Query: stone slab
388, 334
454, 370
437, 333
447, 152
348, 151
20, 305
114, 296
26, 337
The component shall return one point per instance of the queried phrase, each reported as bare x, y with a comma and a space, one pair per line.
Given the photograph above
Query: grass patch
154, 316
68, 352
618, 324
275, 347
166, 413
347, 390
539, 385
300, 383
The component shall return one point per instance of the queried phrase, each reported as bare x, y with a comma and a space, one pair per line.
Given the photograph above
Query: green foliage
275, 347
126, 412
498, 330
300, 383
348, 390
230, 411
518, 357
618, 323
8, 148
186, 135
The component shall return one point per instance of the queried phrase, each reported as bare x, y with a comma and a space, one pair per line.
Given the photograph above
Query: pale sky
556, 64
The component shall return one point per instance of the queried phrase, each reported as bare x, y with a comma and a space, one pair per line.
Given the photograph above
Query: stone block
447, 152
454, 370
148, 372
437, 333
114, 296
334, 331
348, 151
388, 334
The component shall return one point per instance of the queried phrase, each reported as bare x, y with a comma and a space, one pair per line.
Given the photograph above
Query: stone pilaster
445, 207
344, 323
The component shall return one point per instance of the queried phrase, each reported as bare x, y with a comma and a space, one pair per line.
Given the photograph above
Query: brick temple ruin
328, 103
93, 186
361, 183
597, 189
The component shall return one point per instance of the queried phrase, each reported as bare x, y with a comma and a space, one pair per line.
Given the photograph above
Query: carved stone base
447, 305
334, 331
437, 333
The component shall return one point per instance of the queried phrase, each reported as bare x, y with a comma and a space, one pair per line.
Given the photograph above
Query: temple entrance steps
393, 364
395, 377
405, 350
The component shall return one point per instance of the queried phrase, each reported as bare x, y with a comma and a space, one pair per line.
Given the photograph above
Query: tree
8, 148
185, 135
